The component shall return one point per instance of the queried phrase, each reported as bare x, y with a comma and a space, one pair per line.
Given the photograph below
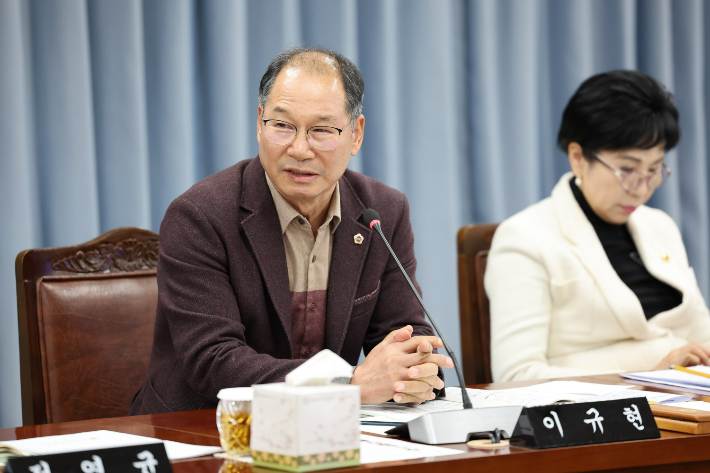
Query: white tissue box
305, 428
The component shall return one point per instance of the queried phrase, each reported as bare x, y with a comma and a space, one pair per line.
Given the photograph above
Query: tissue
320, 370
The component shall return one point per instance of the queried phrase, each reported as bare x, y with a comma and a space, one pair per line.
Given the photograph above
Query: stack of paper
97, 440
7, 452
675, 378
557, 391
695, 405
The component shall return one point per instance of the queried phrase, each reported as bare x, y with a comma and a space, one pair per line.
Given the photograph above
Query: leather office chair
86, 315
473, 243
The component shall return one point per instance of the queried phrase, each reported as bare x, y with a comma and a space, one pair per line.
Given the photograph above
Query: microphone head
370, 217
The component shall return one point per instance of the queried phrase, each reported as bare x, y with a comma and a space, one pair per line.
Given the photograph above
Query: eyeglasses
630, 181
322, 138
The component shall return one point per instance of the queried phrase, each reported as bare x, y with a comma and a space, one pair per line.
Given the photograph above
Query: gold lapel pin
665, 257
358, 239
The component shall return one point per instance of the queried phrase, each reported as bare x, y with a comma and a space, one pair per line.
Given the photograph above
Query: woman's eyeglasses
630, 181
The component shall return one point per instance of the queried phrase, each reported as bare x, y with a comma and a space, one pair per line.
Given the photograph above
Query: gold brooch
358, 239
665, 257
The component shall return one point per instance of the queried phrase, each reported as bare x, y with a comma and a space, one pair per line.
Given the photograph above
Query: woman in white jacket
590, 280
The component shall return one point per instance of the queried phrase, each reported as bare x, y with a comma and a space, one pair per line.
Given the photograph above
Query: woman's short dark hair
620, 110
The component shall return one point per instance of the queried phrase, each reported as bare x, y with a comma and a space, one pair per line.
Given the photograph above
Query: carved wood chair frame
121, 250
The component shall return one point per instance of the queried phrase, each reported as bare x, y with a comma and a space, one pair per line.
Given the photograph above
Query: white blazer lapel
657, 256
666, 262
577, 229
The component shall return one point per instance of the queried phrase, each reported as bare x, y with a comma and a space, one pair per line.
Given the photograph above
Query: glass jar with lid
234, 420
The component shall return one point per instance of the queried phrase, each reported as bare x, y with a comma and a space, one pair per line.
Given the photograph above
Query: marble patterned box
305, 428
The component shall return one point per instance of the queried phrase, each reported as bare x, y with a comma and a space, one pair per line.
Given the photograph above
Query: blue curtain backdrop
111, 109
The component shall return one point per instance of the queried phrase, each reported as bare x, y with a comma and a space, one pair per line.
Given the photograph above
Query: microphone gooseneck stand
449, 426
375, 224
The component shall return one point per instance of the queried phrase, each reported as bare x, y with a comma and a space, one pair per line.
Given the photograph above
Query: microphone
372, 220
458, 425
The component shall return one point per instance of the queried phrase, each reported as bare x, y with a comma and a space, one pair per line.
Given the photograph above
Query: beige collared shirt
308, 261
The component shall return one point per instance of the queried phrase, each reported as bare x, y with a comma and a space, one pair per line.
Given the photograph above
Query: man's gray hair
349, 73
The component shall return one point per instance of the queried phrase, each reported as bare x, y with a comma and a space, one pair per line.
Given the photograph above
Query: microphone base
458, 426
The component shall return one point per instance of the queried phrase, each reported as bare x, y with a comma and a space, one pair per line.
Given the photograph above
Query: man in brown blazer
267, 262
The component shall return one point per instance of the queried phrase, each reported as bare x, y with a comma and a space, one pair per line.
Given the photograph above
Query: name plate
150, 458
584, 423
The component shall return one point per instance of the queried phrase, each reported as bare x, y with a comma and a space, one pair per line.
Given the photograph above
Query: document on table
651, 396
509, 397
104, 439
406, 412
576, 387
544, 395
379, 449
696, 405
675, 377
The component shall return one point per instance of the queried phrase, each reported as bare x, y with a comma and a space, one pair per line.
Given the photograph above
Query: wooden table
671, 453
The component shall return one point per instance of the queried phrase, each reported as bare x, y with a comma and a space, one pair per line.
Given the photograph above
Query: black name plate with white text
149, 458
585, 423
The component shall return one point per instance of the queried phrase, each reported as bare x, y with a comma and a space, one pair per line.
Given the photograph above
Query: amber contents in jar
235, 431
234, 420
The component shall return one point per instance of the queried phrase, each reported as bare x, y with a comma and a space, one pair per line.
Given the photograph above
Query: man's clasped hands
401, 367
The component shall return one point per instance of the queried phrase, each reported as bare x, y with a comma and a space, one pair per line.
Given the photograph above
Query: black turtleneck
655, 296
